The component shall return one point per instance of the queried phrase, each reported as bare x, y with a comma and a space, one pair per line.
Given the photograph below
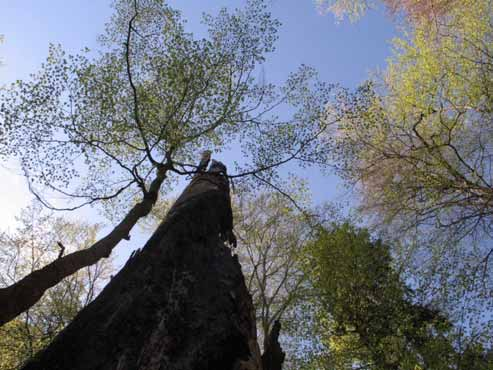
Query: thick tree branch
23, 294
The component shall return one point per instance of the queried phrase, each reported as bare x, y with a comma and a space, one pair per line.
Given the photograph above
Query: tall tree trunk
180, 303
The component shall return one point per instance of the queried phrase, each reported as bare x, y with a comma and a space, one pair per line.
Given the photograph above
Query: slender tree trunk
23, 294
180, 303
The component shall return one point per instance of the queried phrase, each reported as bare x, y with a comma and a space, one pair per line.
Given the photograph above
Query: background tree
353, 9
120, 127
367, 316
273, 233
417, 142
414, 10
39, 238
271, 239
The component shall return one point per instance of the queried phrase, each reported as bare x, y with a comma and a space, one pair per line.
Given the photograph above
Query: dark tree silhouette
179, 303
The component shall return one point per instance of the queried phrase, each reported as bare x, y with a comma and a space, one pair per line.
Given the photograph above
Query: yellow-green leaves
30, 247
367, 316
418, 140
353, 9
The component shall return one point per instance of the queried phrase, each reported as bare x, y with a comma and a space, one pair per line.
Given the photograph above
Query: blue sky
342, 53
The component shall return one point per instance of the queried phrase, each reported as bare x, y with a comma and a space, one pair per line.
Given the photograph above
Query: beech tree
271, 238
417, 142
117, 127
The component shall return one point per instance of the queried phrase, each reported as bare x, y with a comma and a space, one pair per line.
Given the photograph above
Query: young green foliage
271, 238
117, 127
367, 316
40, 238
418, 145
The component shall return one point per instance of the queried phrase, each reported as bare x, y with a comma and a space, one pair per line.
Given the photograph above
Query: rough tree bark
273, 357
180, 303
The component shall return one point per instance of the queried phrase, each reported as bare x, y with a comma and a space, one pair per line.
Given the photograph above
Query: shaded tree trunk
179, 303
273, 357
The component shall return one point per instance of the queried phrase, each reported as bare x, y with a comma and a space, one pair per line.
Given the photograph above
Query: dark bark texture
273, 357
180, 303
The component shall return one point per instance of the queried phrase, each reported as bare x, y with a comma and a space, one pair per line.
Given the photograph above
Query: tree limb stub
273, 356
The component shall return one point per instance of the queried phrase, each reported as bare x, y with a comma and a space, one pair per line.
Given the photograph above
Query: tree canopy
117, 127
413, 10
39, 238
369, 319
416, 141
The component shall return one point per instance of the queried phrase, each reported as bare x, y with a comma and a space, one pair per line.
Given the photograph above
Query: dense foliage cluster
368, 318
